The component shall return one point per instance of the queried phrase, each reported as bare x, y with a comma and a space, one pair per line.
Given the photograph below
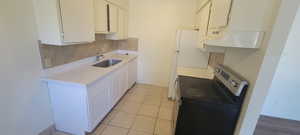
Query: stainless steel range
209, 107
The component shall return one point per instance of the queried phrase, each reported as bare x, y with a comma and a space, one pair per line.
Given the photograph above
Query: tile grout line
131, 127
156, 118
113, 109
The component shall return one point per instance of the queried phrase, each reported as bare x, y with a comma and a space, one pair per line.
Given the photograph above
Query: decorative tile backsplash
52, 56
129, 44
216, 59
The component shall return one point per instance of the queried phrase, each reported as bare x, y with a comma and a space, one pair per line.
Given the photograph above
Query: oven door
177, 105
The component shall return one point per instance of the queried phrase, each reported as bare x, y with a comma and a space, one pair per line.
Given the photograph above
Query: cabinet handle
108, 17
216, 32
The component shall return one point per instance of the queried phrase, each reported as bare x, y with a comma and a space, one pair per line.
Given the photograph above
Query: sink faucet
99, 57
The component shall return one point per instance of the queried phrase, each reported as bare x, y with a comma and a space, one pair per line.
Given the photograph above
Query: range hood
238, 39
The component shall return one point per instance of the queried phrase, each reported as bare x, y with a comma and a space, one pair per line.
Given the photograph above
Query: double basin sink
107, 63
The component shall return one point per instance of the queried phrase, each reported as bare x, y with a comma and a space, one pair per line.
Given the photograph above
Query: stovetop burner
198, 89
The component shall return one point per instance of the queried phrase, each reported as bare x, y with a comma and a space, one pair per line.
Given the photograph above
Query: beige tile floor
144, 110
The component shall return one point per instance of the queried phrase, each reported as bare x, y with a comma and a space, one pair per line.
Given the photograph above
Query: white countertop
87, 73
207, 73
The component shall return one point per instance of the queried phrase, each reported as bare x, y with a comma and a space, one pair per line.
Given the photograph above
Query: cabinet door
113, 18
120, 77
132, 73
119, 84
201, 3
203, 21
101, 17
77, 18
219, 13
121, 23
198, 6
124, 80
115, 91
126, 22
98, 101
121, 3
122, 32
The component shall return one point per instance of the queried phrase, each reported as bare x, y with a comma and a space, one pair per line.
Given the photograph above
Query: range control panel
232, 81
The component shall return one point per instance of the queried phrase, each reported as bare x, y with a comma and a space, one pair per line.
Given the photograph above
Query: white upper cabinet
236, 23
122, 23
113, 19
101, 15
121, 3
77, 25
132, 73
200, 4
126, 24
202, 23
219, 17
106, 17
65, 22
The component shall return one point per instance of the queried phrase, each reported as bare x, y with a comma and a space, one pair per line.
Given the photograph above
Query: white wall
283, 98
155, 23
258, 66
25, 107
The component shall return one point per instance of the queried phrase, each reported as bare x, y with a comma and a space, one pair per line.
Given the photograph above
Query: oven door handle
176, 82
176, 87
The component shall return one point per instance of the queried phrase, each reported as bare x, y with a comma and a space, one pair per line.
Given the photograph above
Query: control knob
218, 70
234, 83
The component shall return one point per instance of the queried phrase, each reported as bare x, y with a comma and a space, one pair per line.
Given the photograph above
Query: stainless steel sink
107, 63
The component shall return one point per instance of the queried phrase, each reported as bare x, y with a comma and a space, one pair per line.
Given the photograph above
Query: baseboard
48, 131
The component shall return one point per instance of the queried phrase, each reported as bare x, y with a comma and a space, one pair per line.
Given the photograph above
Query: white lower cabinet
115, 91
79, 109
98, 101
119, 78
124, 79
132, 73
